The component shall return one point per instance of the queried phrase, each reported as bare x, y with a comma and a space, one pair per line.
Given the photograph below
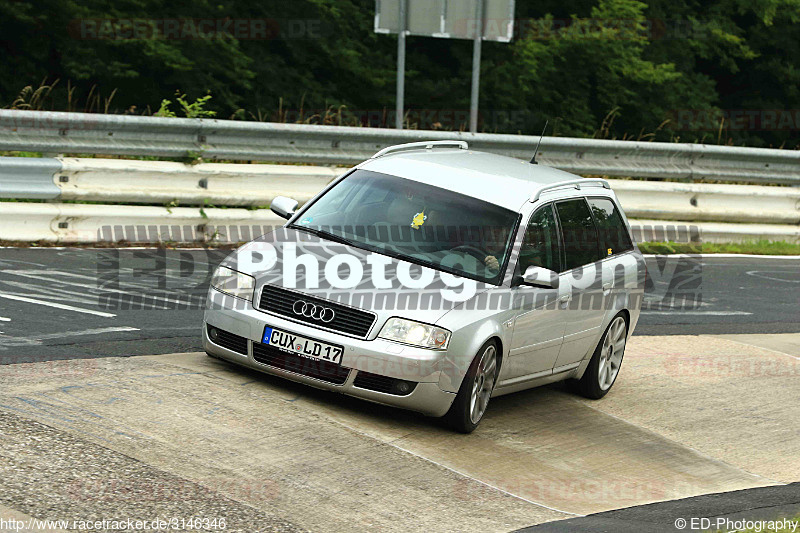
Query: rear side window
614, 237
578, 232
540, 244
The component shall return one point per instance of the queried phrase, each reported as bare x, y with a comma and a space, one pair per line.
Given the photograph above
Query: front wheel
606, 361
473, 397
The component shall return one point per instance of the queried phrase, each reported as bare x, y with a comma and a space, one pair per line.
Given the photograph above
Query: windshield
416, 222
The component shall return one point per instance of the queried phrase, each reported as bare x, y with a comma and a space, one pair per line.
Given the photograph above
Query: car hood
302, 262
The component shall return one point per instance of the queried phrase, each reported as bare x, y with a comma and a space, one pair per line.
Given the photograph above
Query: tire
603, 369
476, 389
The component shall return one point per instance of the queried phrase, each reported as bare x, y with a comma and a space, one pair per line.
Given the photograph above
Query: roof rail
595, 182
427, 145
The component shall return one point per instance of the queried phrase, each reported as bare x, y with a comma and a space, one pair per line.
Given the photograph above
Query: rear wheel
606, 361
473, 397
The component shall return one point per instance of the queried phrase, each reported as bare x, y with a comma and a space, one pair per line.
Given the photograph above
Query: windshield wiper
324, 234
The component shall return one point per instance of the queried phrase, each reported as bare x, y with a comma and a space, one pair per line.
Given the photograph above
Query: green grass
754, 247
16, 153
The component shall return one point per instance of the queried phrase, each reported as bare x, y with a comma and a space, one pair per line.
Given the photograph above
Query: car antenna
533, 159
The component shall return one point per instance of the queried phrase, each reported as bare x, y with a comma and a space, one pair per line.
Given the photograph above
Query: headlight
416, 333
233, 283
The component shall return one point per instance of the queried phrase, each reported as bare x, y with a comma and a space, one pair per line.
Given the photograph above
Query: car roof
501, 180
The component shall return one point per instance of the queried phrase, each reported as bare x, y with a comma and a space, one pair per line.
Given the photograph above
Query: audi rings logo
312, 311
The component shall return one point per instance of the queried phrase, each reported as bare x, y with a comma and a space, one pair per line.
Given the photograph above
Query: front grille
322, 370
228, 340
346, 319
377, 383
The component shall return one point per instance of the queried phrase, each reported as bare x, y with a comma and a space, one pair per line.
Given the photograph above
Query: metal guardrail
29, 178
710, 212
728, 212
90, 223
226, 184
78, 133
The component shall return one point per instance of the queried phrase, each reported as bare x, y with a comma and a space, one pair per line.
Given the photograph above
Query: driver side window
540, 244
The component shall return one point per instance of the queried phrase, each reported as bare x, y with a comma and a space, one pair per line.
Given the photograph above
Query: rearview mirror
284, 207
540, 277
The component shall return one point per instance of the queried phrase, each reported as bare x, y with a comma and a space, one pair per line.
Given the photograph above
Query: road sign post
448, 19
476, 66
401, 64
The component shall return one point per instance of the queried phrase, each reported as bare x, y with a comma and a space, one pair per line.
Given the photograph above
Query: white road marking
51, 294
124, 284
36, 340
678, 312
95, 331
42, 274
763, 274
93, 289
3, 262
39, 274
4, 319
56, 305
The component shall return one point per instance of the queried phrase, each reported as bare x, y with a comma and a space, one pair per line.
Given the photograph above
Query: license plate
302, 346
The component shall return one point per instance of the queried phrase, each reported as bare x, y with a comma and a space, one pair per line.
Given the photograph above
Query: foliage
164, 110
195, 109
627, 69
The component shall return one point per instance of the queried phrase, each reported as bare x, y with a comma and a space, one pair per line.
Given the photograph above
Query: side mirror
540, 277
284, 207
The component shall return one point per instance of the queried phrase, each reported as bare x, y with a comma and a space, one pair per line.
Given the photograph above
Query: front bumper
407, 363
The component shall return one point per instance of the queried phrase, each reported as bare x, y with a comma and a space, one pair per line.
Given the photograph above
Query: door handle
566, 298
607, 286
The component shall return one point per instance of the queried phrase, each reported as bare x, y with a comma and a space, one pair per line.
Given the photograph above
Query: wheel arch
626, 314
500, 357
455, 366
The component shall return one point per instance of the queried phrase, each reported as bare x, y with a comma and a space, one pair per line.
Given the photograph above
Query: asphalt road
764, 503
74, 302
185, 435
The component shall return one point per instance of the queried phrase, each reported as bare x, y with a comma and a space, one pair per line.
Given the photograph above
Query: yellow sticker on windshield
609, 251
418, 220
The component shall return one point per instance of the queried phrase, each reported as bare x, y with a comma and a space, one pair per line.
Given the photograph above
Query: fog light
402, 387
213, 334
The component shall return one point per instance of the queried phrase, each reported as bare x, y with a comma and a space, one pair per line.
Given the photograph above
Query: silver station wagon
433, 277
